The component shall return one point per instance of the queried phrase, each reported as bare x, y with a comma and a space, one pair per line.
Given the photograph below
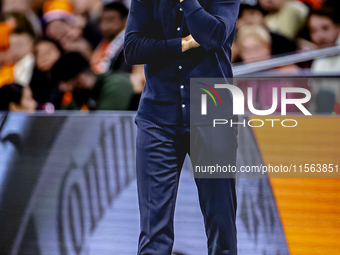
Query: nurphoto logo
239, 102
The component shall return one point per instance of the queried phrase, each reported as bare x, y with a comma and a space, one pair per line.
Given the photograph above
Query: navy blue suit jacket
153, 37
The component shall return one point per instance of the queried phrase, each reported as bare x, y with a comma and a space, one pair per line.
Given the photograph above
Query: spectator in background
253, 15
335, 6
89, 11
15, 98
61, 26
46, 90
24, 7
109, 91
255, 45
58, 18
21, 58
323, 27
324, 32
285, 17
109, 55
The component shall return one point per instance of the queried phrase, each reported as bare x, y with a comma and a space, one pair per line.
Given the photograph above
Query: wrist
184, 45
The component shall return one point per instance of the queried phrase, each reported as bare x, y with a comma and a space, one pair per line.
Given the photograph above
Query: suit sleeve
211, 28
139, 46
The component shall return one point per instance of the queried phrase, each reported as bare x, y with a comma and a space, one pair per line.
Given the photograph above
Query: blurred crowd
68, 54
274, 28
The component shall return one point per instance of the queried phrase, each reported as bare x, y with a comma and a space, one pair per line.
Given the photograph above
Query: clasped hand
189, 42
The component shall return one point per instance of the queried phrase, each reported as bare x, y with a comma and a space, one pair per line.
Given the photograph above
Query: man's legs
218, 205
211, 147
160, 158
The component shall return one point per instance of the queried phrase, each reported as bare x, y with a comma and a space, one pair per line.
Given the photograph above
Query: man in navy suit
177, 40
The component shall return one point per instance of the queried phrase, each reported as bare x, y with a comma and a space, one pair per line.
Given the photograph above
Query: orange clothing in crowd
6, 75
5, 31
98, 56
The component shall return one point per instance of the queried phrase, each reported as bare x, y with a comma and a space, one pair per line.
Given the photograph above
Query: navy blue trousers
161, 151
